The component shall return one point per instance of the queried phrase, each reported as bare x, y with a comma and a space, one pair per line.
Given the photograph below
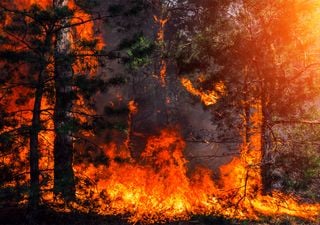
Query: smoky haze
159, 106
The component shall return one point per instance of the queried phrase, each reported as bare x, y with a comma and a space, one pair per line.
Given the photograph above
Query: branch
82, 22
296, 76
86, 114
22, 41
110, 55
87, 140
214, 156
308, 122
16, 11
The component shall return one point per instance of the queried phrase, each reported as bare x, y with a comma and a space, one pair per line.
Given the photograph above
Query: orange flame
133, 109
162, 24
243, 175
157, 187
163, 72
207, 97
160, 39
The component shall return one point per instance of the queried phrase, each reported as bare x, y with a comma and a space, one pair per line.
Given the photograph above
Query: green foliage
139, 50
297, 161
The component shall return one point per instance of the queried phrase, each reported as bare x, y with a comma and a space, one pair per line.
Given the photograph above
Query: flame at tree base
158, 187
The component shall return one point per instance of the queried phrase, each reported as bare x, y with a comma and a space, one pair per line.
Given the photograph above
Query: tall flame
157, 188
160, 38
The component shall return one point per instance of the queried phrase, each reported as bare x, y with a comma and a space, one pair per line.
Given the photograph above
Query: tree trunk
265, 146
64, 183
34, 197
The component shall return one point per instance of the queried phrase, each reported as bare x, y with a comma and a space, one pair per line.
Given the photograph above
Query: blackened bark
34, 197
265, 146
246, 108
64, 182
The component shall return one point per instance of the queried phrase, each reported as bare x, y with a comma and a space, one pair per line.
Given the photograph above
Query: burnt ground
47, 216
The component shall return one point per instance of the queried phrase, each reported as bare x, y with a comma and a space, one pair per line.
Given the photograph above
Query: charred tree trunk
34, 197
246, 108
265, 146
64, 183
265, 135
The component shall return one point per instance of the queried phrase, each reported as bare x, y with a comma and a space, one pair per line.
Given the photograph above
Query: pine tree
38, 67
64, 182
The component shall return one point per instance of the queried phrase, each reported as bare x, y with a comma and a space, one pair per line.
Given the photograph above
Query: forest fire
84, 31
157, 188
70, 154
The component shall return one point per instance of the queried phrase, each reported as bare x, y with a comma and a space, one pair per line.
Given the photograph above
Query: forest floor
46, 216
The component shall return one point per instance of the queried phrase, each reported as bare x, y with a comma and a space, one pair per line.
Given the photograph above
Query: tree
33, 50
64, 182
277, 66
262, 51
49, 80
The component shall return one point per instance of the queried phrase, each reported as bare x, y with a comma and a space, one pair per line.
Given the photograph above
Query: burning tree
239, 192
281, 60
42, 87
227, 60
276, 67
